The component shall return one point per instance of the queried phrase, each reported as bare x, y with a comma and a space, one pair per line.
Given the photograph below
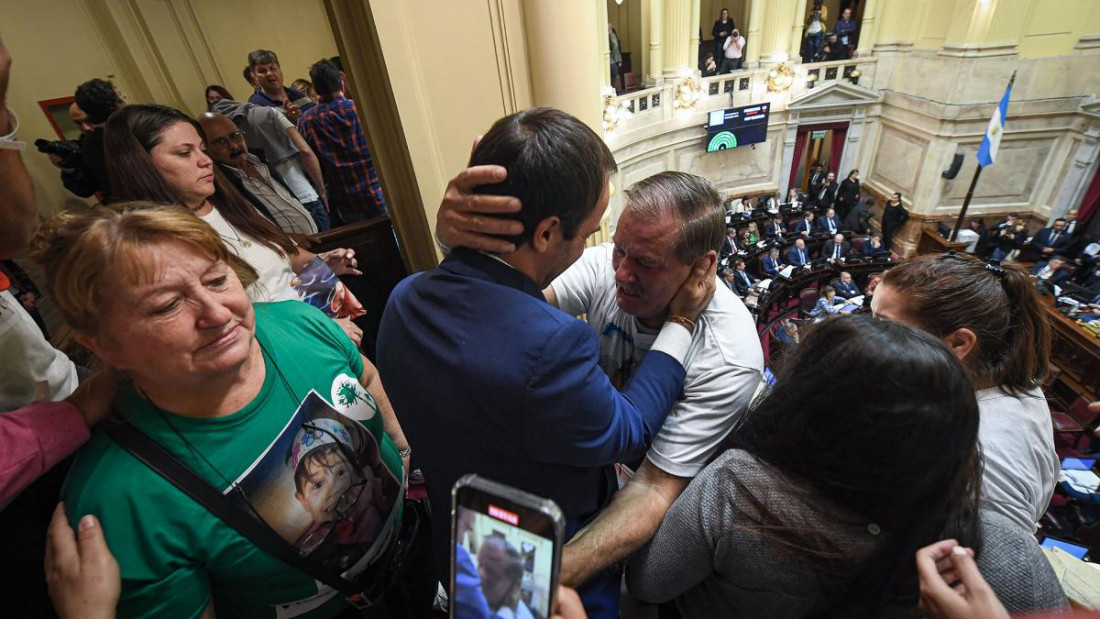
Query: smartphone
505, 550
1078, 464
1076, 550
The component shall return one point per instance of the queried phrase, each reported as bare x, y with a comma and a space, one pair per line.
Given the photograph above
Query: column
566, 64
987, 29
693, 36
777, 31
656, 33
752, 35
603, 42
677, 34
1090, 37
895, 30
795, 51
868, 28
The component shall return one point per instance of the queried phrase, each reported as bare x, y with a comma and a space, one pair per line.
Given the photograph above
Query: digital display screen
501, 568
737, 126
1078, 464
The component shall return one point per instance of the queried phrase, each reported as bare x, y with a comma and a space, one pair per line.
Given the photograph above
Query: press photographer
83, 169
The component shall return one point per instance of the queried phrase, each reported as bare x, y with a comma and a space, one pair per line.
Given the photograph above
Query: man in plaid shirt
332, 129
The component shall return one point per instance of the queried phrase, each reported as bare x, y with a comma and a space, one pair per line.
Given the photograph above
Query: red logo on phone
503, 514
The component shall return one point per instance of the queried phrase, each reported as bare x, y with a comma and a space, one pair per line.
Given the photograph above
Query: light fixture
854, 76
688, 93
781, 77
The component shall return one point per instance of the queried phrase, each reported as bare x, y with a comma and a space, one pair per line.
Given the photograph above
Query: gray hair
262, 56
689, 198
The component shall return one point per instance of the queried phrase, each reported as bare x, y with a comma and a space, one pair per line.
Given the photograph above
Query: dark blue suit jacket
771, 267
794, 259
846, 291
823, 224
802, 226
486, 377
1042, 241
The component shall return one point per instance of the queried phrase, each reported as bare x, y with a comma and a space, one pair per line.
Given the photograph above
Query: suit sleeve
576, 416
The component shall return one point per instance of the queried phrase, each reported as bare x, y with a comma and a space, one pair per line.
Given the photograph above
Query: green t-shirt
333, 487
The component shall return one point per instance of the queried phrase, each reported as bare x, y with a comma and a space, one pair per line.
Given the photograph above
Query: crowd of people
256, 463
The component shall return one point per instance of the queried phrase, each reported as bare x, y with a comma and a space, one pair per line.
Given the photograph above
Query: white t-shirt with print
27, 359
276, 277
724, 362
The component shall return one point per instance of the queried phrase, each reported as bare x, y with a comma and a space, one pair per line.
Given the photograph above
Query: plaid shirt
333, 131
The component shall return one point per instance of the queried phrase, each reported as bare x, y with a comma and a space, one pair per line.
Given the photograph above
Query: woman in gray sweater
820, 503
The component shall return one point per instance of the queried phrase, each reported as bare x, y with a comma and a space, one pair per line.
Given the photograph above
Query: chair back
1079, 410
807, 299
857, 244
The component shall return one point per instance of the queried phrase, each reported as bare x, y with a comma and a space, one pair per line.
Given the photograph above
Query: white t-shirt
276, 277
724, 362
1020, 465
294, 174
26, 359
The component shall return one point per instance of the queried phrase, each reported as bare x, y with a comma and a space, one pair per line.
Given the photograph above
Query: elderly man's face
224, 141
647, 270
838, 239
492, 568
845, 277
800, 244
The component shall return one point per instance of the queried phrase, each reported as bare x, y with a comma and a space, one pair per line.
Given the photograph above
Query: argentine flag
987, 152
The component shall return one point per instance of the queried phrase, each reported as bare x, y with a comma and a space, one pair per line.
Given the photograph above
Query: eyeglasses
223, 142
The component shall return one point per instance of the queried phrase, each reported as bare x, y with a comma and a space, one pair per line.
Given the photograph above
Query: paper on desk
1080, 582
786, 272
1085, 482
856, 300
764, 284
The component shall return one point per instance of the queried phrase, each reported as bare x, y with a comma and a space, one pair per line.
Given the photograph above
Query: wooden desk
931, 242
1076, 353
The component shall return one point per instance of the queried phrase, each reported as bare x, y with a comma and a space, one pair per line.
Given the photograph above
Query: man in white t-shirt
671, 220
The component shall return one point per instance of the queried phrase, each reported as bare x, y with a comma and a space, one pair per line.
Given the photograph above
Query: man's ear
545, 233
963, 342
706, 260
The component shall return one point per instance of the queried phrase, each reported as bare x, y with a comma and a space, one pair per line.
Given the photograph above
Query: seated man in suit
859, 218
729, 244
772, 264
775, 229
845, 287
517, 379
1053, 271
835, 249
875, 247
795, 199
805, 226
830, 223
798, 255
742, 279
1049, 241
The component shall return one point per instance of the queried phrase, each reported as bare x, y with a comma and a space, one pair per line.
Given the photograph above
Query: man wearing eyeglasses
263, 186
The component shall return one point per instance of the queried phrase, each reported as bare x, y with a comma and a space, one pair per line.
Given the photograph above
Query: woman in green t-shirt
271, 404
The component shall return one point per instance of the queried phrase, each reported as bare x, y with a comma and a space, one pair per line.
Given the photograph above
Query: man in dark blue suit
798, 255
771, 263
830, 223
1053, 271
742, 279
845, 287
490, 378
1050, 241
804, 226
775, 229
835, 250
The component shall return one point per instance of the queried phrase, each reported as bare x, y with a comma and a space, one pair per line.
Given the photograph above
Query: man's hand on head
695, 294
466, 219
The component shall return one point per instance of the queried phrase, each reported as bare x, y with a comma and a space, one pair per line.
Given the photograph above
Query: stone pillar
795, 51
777, 31
693, 36
753, 41
566, 65
868, 28
656, 34
987, 29
676, 37
1090, 37
895, 30
603, 42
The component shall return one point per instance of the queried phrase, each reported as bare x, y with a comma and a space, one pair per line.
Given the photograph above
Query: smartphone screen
506, 557
1078, 464
1073, 549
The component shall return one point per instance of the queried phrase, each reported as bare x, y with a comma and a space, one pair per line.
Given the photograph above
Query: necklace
245, 243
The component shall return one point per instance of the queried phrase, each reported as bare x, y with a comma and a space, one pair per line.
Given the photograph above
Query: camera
67, 150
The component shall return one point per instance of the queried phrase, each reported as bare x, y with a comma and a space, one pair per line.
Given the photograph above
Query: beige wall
155, 51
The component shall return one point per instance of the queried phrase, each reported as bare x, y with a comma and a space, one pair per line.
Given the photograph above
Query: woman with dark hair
818, 509
156, 154
848, 194
721, 31
988, 314
215, 93
894, 215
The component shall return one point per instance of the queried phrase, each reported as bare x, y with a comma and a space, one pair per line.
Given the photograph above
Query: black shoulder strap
160, 460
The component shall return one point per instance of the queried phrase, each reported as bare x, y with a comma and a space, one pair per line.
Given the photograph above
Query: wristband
8, 142
686, 323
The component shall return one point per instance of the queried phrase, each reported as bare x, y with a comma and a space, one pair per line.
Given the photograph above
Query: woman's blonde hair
83, 252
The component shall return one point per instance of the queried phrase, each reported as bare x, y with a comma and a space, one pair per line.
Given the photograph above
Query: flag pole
978, 172
966, 203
